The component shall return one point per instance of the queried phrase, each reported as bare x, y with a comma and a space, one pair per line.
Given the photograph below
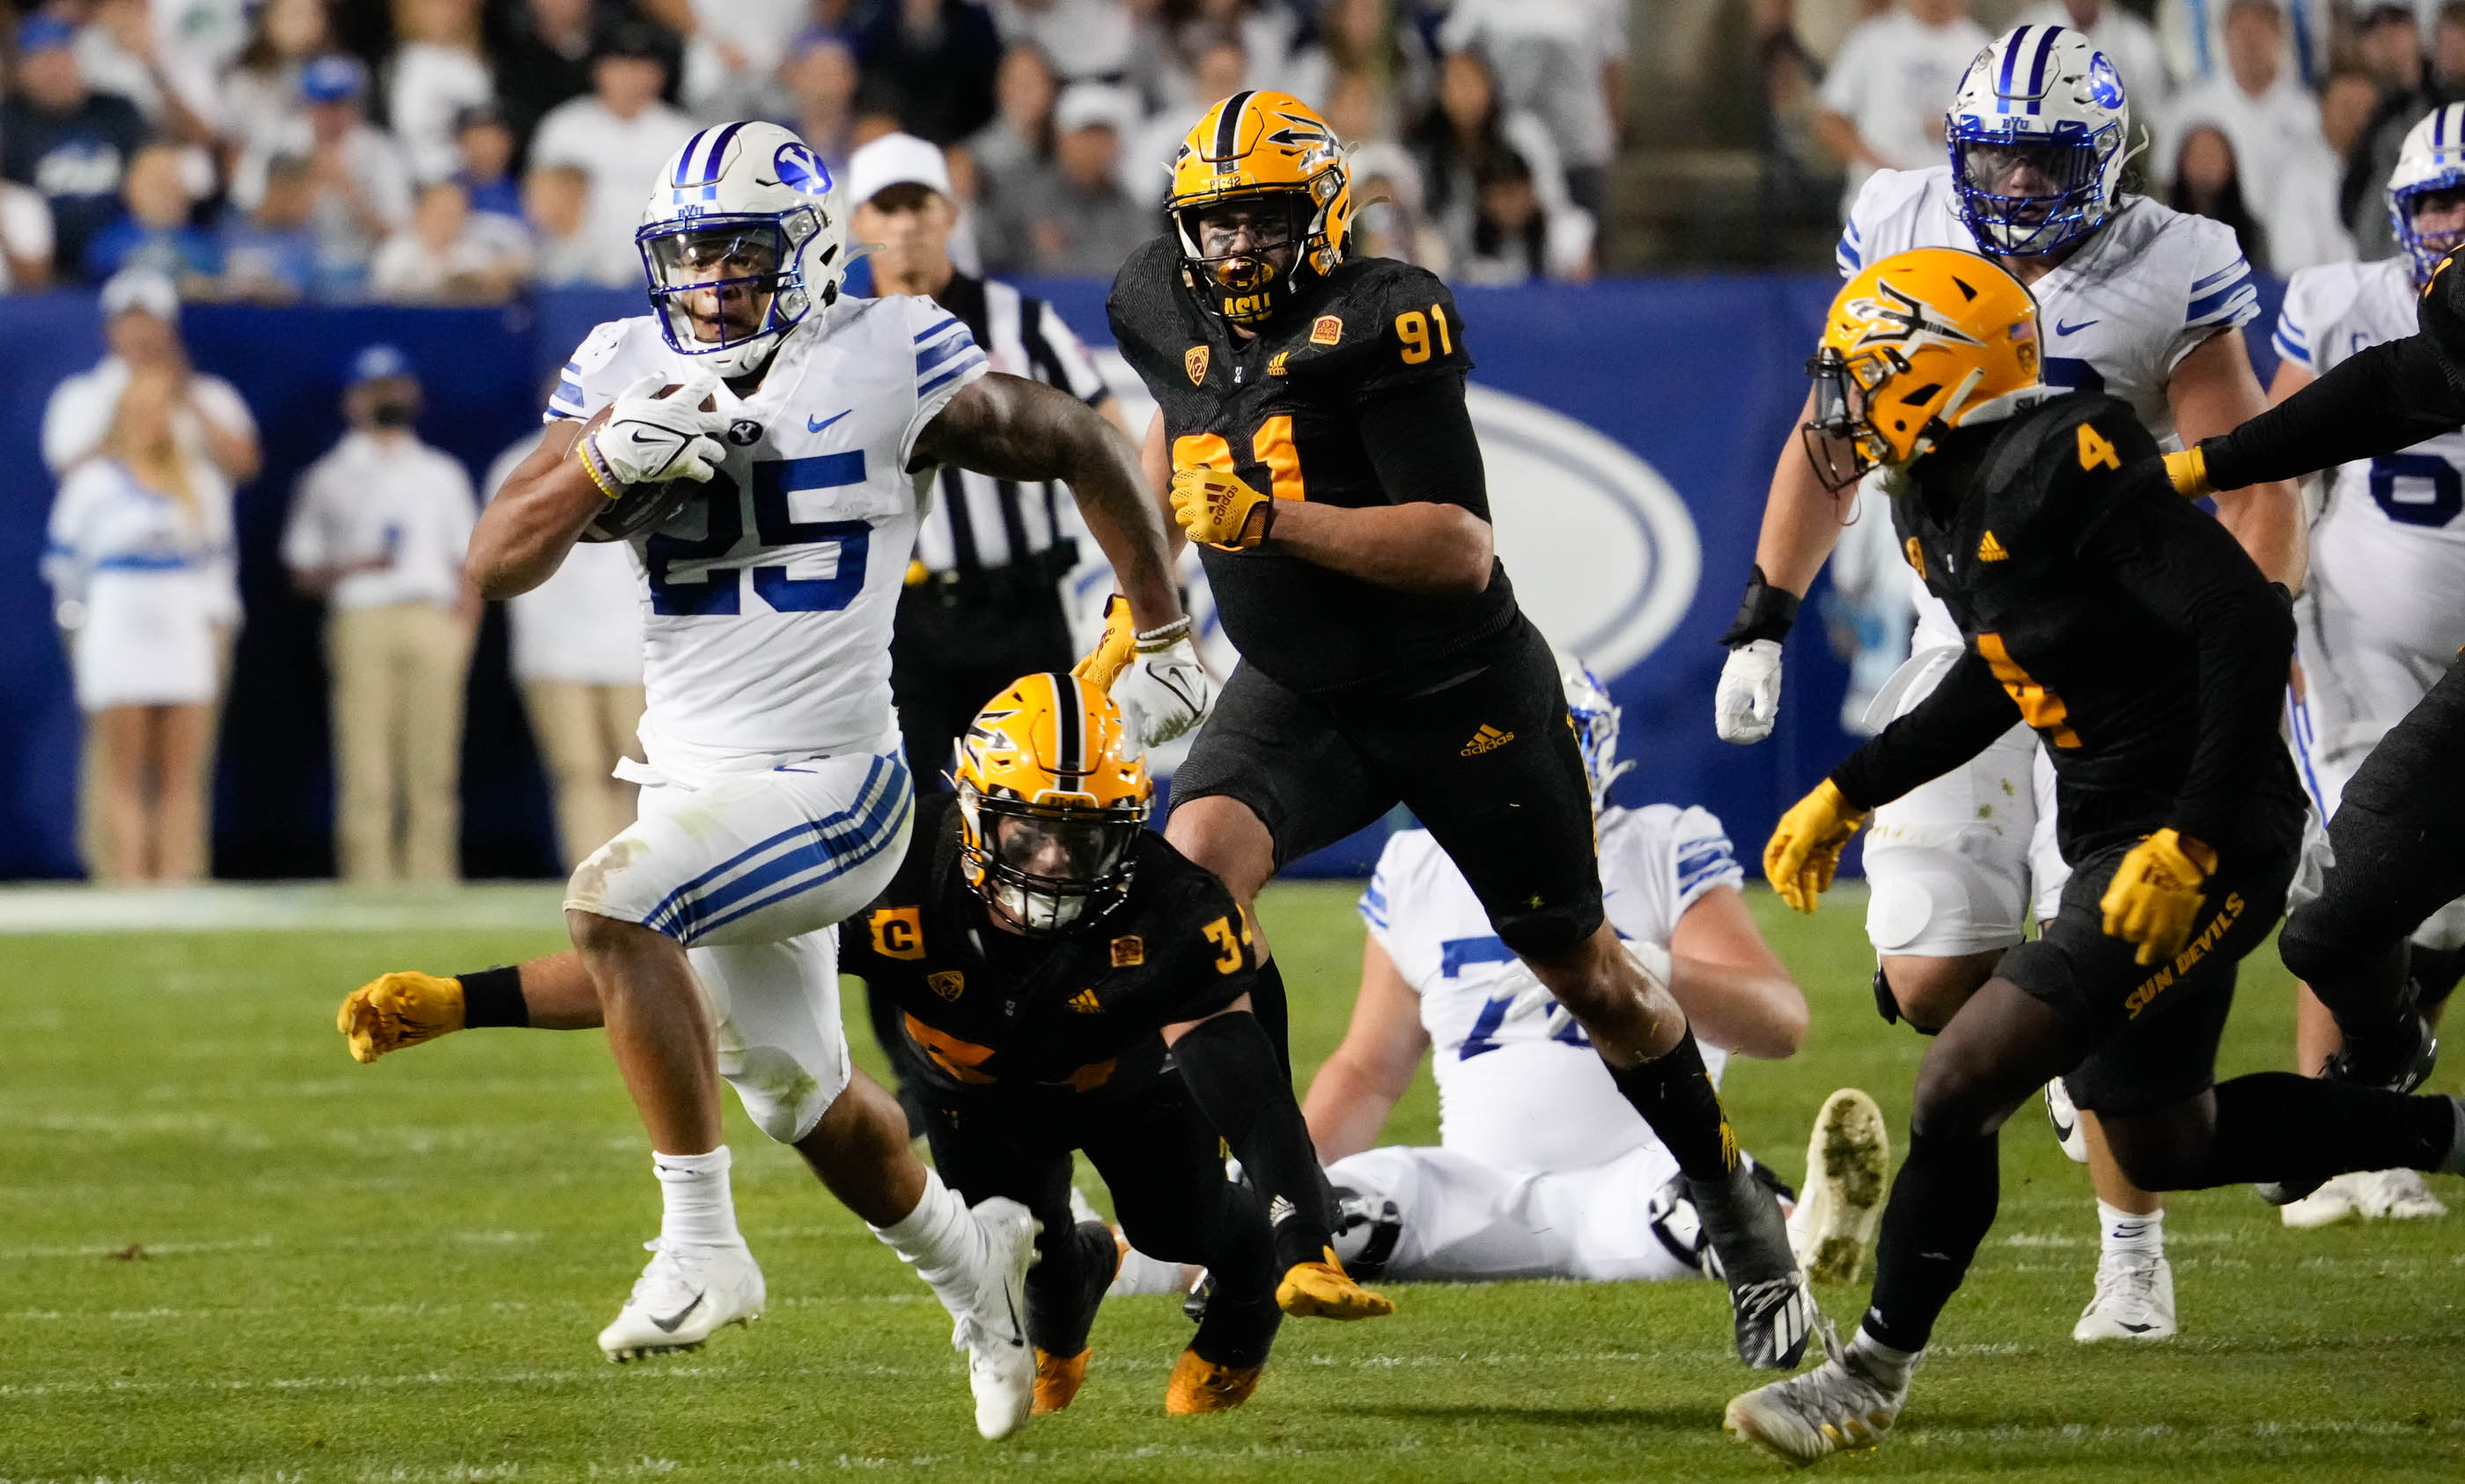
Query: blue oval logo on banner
801, 169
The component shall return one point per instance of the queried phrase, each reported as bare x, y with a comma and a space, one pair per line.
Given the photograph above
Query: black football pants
1164, 1165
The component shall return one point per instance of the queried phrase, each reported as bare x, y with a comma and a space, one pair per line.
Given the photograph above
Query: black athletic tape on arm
494, 997
2390, 396
1766, 612
1233, 1073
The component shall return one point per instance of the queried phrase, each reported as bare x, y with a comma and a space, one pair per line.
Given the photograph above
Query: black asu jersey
1280, 410
2122, 623
987, 1010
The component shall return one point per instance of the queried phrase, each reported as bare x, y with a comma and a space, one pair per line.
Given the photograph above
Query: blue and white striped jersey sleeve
1851, 254
1374, 910
2222, 293
2292, 338
1700, 858
948, 358
571, 397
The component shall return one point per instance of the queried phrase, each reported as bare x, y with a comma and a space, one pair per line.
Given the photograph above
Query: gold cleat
1323, 1291
1057, 1379
1199, 1385
396, 1010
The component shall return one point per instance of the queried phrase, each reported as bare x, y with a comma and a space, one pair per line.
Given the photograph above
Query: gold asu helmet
1052, 798
1273, 151
1918, 344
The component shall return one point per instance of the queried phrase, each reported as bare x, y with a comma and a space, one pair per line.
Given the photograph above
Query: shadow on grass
1662, 1419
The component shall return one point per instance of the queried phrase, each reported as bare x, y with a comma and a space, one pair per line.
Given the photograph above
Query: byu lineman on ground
2384, 615
2136, 301
775, 799
1544, 1169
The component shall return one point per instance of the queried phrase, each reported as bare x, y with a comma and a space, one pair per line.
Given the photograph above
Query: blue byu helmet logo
2104, 83
801, 169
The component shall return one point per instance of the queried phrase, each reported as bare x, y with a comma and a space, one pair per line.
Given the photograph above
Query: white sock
2129, 1231
938, 1236
699, 1210
1886, 1365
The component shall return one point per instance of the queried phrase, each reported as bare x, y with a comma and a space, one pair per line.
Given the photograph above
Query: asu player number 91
1311, 433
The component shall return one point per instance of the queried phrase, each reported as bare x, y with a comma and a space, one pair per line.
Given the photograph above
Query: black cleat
1748, 1244
2399, 1059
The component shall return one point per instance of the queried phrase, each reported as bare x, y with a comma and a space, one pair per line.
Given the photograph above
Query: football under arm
1963, 716
1359, 1084
525, 533
1434, 536
1734, 989
1015, 428
2212, 391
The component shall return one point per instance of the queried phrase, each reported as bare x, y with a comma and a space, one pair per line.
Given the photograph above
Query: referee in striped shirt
983, 601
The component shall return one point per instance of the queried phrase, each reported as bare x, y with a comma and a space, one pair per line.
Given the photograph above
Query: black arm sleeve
1420, 441
1233, 1076
2390, 396
2187, 569
1961, 719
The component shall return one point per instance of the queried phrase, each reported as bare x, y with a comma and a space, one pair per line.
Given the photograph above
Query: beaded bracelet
597, 468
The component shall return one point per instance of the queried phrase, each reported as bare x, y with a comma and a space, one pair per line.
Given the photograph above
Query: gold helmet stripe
1228, 128
1069, 717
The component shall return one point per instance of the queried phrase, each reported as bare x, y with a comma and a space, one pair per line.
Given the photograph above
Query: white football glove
650, 440
1165, 691
1749, 699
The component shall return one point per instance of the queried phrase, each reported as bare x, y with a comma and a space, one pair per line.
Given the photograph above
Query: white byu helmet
747, 216
2431, 158
2044, 97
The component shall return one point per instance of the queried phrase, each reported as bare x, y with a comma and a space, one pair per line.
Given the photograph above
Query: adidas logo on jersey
1085, 1003
1992, 550
1487, 740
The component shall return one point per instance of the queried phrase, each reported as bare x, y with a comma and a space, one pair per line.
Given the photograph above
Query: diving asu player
2384, 613
775, 798
1542, 1169
2139, 301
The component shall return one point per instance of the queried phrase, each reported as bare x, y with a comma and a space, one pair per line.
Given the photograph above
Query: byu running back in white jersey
776, 492
768, 605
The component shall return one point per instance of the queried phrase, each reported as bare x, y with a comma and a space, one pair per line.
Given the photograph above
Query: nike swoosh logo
2060, 328
638, 438
2137, 1329
811, 425
668, 1325
1018, 1331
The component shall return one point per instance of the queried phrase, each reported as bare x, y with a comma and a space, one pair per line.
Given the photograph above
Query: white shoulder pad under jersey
2414, 495
2117, 316
767, 631
1656, 862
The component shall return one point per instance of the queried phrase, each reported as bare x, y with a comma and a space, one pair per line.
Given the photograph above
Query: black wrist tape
494, 997
1766, 612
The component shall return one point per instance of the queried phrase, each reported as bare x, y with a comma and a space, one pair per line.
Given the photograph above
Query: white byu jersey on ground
2118, 315
768, 606
1519, 1086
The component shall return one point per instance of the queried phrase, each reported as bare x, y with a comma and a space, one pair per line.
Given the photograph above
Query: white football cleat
2134, 1299
1848, 1172
2336, 1199
686, 1293
2066, 1121
1001, 1364
1830, 1409
2396, 1195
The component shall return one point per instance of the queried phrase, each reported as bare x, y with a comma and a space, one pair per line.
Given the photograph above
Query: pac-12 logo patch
801, 169
1194, 362
950, 984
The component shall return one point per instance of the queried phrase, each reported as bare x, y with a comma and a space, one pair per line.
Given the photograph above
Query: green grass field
229, 1252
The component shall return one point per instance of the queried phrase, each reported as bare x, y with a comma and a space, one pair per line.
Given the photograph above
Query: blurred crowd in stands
2280, 117
458, 150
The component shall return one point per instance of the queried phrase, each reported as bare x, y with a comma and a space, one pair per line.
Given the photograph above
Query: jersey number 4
716, 592
1272, 443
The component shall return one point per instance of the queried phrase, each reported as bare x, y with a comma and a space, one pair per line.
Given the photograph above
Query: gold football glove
2188, 470
1805, 846
1325, 1291
2154, 894
1113, 652
395, 1011
1220, 509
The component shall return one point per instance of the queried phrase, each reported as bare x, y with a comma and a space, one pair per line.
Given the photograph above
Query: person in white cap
378, 529
217, 440
1071, 217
